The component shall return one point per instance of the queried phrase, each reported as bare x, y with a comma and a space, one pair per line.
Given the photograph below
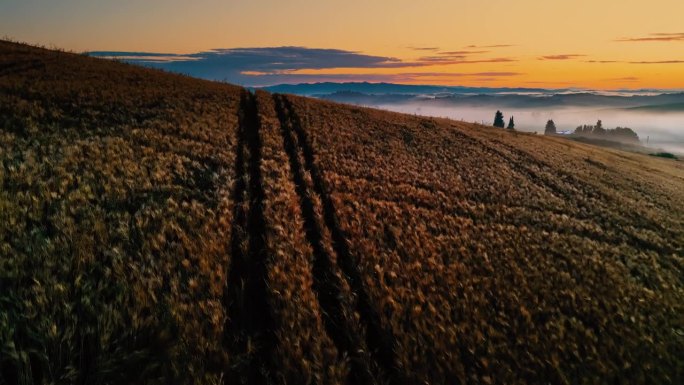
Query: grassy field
160, 229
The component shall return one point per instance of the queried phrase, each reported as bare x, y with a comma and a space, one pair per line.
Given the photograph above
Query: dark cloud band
655, 37
561, 57
279, 64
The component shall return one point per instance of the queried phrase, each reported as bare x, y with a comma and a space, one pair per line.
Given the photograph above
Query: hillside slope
156, 228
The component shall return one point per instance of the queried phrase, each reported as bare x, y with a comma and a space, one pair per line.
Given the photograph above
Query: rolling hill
671, 107
156, 228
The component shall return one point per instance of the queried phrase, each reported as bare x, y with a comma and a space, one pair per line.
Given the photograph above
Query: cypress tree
550, 128
499, 120
511, 124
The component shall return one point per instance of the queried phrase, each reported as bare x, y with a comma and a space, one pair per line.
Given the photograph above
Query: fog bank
663, 130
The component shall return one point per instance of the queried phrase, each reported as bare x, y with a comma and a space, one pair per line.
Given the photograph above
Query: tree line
621, 134
500, 122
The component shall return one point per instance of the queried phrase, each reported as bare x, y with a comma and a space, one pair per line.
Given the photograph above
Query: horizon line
580, 88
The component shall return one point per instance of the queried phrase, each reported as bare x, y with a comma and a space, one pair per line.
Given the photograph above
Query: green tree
511, 124
598, 129
624, 134
499, 120
550, 128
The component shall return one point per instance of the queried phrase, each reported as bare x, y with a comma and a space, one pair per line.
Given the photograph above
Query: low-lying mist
659, 130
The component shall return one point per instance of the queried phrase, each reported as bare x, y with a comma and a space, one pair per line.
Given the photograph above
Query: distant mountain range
374, 94
390, 88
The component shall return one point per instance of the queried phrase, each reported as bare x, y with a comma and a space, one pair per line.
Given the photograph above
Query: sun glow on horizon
587, 44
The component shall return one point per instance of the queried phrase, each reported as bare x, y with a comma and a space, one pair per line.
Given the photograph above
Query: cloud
268, 79
675, 61
658, 62
624, 79
408, 77
458, 74
655, 37
491, 46
234, 64
151, 57
273, 65
496, 74
560, 57
493, 60
424, 48
602, 61
447, 57
441, 59
470, 52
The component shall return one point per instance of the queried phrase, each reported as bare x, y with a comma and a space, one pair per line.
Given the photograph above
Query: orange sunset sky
524, 43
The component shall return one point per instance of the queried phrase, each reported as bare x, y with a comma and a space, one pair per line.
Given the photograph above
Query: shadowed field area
156, 228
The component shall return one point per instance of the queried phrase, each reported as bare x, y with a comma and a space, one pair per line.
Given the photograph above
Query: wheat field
156, 228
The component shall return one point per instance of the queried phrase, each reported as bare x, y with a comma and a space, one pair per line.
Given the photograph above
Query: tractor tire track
378, 342
249, 327
327, 286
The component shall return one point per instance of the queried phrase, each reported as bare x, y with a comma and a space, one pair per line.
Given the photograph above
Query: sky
598, 44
